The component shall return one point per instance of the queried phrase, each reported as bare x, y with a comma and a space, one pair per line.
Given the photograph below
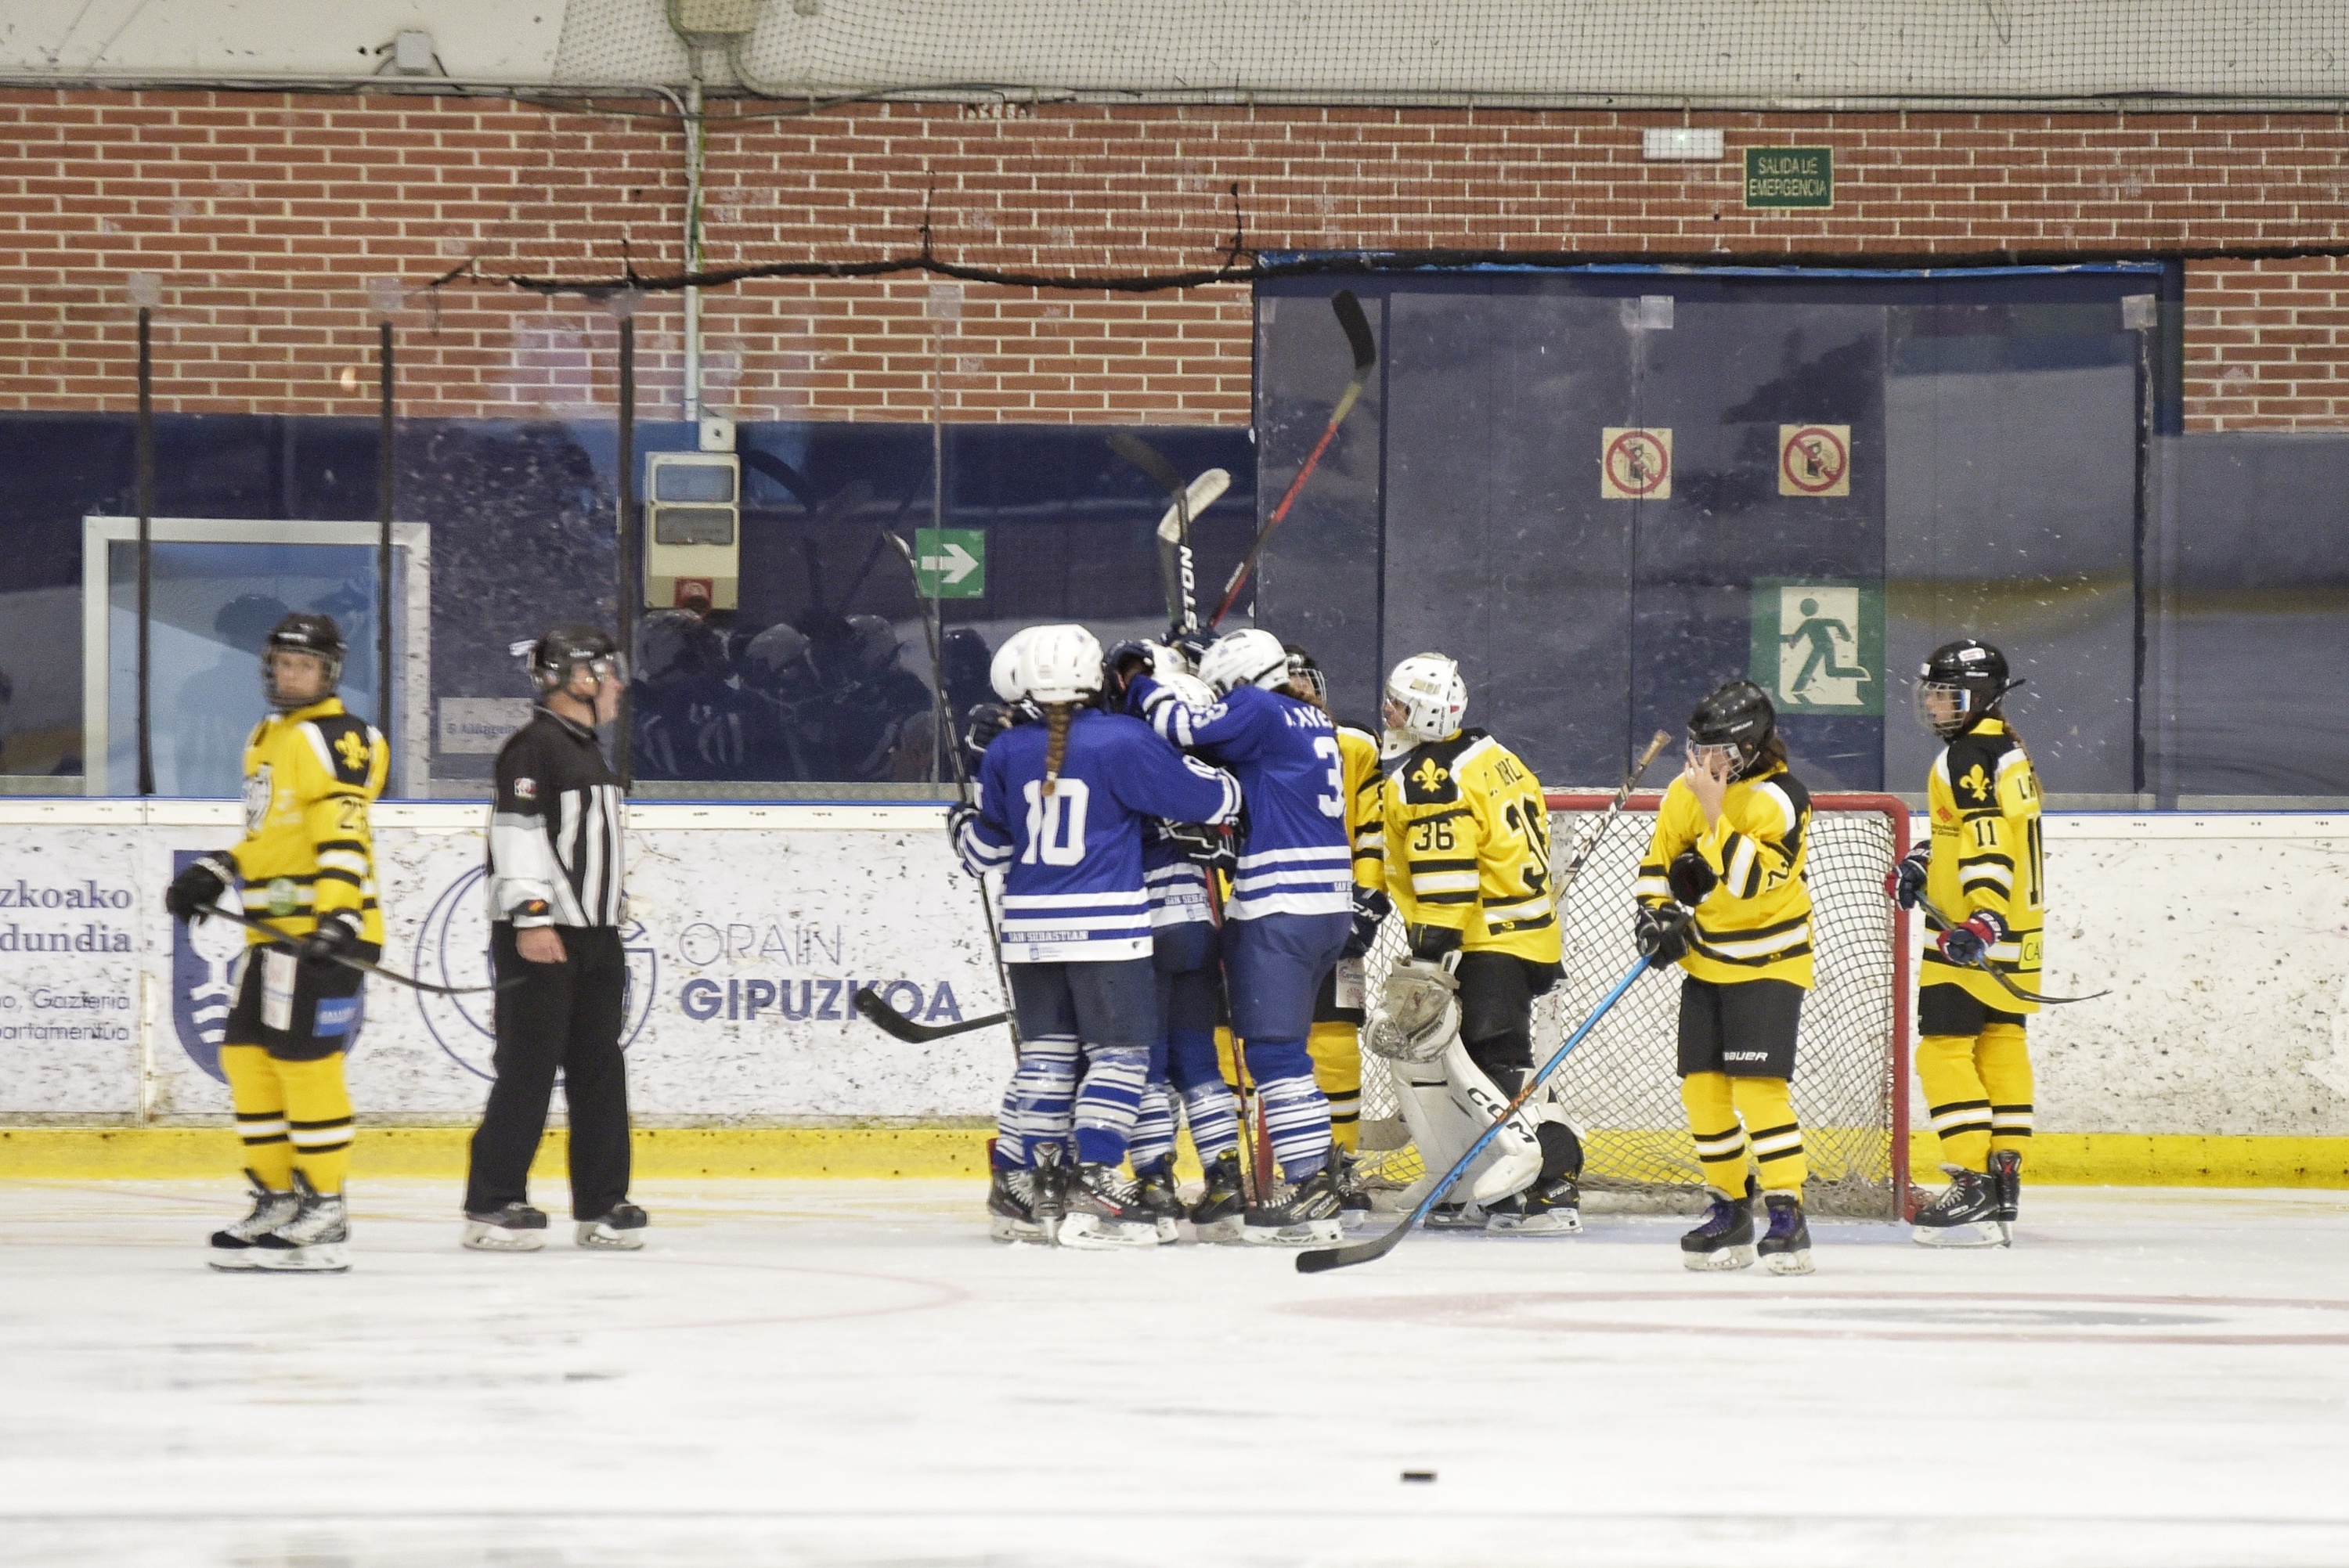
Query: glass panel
214, 607
693, 482
693, 525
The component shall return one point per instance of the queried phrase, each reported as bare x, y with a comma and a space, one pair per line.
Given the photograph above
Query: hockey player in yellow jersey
1982, 867
1722, 891
1465, 838
307, 869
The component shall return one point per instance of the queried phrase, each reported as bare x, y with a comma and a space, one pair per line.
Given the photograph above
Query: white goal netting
1619, 1085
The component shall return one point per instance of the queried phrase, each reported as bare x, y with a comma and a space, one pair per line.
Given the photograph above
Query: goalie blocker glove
1970, 941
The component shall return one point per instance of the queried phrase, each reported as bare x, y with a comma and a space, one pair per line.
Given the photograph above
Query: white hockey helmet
1003, 674
1059, 663
1253, 657
1188, 688
1429, 696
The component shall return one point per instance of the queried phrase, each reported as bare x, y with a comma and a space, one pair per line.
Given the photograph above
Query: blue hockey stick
1329, 1258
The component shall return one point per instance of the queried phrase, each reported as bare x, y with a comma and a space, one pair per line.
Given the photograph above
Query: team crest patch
525, 788
1976, 783
352, 751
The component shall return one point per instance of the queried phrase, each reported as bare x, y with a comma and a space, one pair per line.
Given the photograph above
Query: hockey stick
1328, 1258
351, 961
1597, 830
1984, 964
1174, 563
890, 1021
1366, 359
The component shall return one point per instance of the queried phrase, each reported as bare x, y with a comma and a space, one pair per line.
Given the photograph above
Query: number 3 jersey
1295, 855
308, 849
1984, 797
1071, 861
1467, 846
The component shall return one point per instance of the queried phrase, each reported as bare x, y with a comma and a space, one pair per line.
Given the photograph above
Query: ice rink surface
850, 1373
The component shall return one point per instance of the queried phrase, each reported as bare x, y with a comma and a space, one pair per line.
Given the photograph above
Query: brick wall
268, 213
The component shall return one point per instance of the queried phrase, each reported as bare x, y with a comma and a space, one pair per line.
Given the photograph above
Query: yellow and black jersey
1358, 758
1467, 846
1755, 923
307, 849
1984, 799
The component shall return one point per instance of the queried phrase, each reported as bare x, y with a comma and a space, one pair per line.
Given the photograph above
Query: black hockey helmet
558, 655
1736, 716
1960, 685
303, 632
1306, 675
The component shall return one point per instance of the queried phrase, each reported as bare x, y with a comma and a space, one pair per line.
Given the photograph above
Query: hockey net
1620, 1086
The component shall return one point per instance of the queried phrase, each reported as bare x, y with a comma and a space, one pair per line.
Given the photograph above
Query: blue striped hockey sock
1207, 1102
1108, 1101
1010, 1143
1296, 1112
1153, 1131
1041, 1093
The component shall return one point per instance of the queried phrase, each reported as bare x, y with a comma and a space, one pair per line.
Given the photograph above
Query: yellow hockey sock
319, 1119
2004, 1059
1766, 1105
1336, 1052
1954, 1096
1720, 1141
259, 1101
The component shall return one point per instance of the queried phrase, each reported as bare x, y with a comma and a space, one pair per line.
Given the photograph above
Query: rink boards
2221, 936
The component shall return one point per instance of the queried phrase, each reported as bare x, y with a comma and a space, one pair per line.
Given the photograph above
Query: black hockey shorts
1954, 1010
1113, 1004
1744, 1028
1497, 991
1340, 1000
296, 1012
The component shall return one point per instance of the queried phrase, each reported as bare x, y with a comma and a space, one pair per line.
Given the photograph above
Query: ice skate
1012, 1206
1160, 1202
2006, 1175
1048, 1191
1297, 1213
1786, 1248
316, 1239
1964, 1215
1353, 1197
515, 1228
1724, 1239
1455, 1217
1221, 1212
1552, 1206
1105, 1211
234, 1248
621, 1231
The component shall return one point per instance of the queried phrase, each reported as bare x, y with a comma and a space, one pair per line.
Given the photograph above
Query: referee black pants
563, 1018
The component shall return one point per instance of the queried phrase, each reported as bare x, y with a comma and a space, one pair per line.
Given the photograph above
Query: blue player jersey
1071, 862
1177, 884
1296, 859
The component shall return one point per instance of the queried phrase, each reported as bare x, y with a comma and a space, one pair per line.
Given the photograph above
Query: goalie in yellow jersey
1722, 891
1467, 840
1982, 868
307, 868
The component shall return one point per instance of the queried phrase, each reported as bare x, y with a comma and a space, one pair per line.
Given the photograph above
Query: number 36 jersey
1467, 846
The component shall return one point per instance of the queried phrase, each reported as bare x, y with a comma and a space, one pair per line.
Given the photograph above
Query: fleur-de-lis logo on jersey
1976, 783
354, 750
1427, 776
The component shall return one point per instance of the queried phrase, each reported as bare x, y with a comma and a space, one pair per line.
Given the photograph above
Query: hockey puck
1419, 1475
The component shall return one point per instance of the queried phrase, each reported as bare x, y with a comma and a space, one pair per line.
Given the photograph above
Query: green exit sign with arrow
951, 563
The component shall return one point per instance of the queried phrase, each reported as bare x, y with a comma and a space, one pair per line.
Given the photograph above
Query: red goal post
1620, 1086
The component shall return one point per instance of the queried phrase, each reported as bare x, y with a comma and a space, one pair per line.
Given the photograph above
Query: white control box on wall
693, 530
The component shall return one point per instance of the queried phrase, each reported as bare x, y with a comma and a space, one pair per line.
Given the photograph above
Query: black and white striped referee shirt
554, 828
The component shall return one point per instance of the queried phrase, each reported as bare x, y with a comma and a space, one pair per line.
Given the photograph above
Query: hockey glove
336, 936
1969, 942
1123, 664
1203, 844
198, 888
987, 720
1371, 907
1905, 883
958, 820
1691, 878
1436, 944
1660, 934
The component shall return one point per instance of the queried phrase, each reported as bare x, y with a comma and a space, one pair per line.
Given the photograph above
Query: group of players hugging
1190, 847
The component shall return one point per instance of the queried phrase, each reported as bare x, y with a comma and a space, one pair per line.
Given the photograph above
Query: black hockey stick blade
1146, 457
1357, 328
1328, 1258
1984, 965
351, 961
890, 1021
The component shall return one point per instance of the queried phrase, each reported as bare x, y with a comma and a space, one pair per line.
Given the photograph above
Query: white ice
850, 1373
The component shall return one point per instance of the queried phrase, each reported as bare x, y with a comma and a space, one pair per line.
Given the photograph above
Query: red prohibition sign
1833, 472
1638, 449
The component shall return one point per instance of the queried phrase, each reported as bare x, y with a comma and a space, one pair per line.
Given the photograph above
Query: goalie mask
1960, 685
317, 635
1735, 721
1426, 697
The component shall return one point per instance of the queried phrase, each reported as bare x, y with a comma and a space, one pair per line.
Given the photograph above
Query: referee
556, 906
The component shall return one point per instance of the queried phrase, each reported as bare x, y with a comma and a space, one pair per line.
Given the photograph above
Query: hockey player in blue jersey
1061, 812
1291, 903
